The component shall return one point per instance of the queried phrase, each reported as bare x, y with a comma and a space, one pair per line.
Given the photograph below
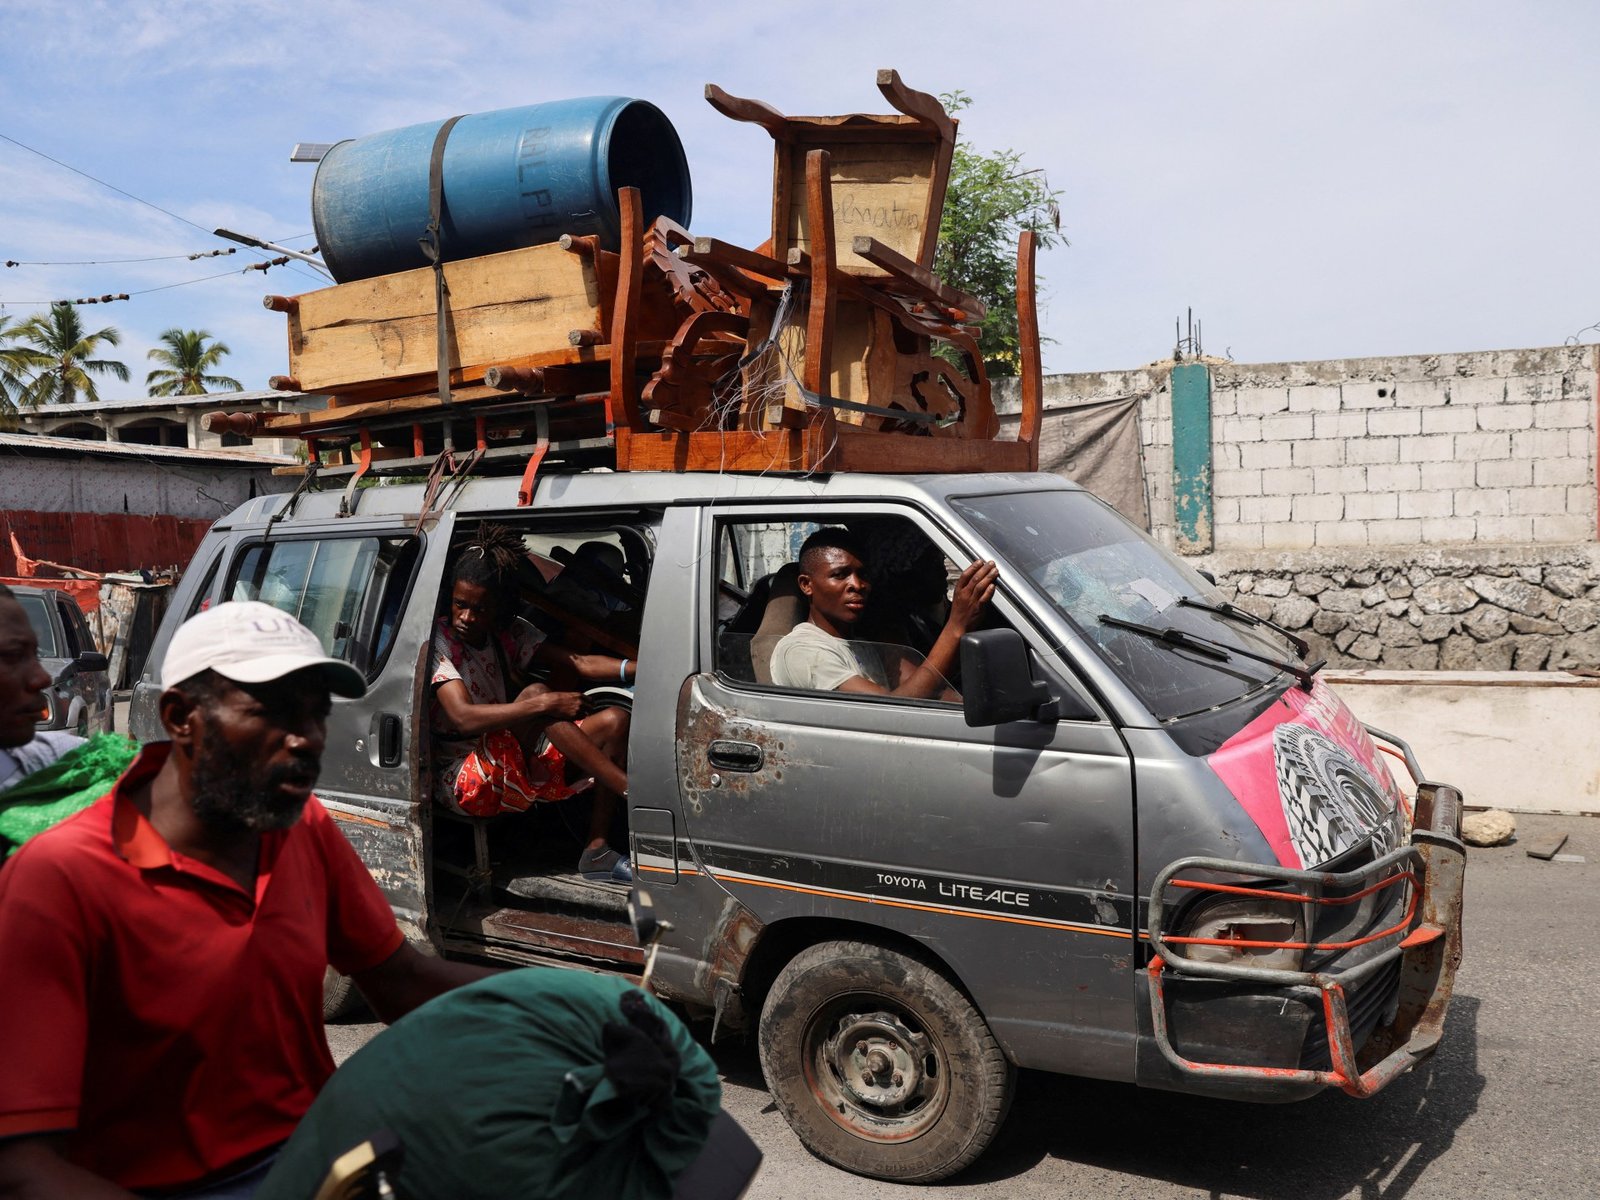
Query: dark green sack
52, 794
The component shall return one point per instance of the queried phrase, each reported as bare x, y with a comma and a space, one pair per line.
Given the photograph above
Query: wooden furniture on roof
833, 347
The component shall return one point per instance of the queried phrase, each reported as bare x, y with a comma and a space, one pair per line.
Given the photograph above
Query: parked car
79, 696
1138, 838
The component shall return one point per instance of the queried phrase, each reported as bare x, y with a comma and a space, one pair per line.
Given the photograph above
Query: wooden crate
503, 307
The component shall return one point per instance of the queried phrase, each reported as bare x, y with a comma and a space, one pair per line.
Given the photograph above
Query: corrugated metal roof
37, 444
208, 400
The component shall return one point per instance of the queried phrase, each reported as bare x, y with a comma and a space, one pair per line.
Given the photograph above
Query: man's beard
231, 794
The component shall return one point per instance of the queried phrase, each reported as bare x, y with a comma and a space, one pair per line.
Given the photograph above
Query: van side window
69, 629
765, 631
348, 591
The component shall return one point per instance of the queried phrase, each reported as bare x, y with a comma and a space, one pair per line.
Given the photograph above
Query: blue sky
1317, 180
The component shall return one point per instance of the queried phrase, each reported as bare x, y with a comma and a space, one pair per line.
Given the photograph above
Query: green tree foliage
187, 357
16, 364
992, 198
57, 357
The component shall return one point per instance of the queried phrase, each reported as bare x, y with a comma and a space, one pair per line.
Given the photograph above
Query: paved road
1506, 1108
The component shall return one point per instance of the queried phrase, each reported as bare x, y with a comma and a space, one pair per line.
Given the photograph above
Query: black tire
880, 1064
339, 995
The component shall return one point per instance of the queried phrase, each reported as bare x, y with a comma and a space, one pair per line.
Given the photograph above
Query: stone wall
1488, 609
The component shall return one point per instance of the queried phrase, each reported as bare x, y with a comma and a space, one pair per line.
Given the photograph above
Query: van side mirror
91, 661
1206, 575
997, 684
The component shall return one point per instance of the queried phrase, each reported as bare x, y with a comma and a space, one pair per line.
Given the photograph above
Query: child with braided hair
500, 748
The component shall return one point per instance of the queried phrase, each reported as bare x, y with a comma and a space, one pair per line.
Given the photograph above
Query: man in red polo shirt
164, 949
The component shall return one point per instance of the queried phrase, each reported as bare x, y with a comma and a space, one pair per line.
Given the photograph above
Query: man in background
165, 948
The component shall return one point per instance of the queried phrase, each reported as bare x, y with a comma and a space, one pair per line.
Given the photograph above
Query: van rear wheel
880, 1065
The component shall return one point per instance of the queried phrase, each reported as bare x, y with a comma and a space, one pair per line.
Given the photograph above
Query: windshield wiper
1223, 609
1302, 672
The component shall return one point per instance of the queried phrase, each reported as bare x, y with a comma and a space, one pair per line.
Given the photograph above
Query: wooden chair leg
1028, 346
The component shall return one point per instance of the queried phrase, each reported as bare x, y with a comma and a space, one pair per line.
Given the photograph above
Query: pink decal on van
1311, 779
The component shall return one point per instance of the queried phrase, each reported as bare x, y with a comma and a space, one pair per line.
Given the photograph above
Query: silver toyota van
1138, 839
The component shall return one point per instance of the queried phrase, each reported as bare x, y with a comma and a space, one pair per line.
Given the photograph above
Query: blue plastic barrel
512, 178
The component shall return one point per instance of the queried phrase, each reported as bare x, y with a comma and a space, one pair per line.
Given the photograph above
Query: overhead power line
166, 287
103, 183
114, 262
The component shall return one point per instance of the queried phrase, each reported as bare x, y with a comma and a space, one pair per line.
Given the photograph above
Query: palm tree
60, 359
185, 362
18, 363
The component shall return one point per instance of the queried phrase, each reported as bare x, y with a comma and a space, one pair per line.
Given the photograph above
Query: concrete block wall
1496, 447
1432, 511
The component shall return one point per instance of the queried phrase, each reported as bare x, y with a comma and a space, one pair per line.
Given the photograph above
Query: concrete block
1550, 471
1564, 528
1372, 450
1237, 537
1439, 447
1399, 477
1241, 429
1341, 533
1421, 393
1454, 419
1395, 533
1224, 510
1264, 454
1545, 443
1340, 479
1236, 483
1581, 444
1288, 427
1340, 425
1227, 454
1318, 508
1458, 474
1505, 473
1259, 402
1563, 414
1505, 529
1320, 453
1400, 423
1581, 499
1472, 391
1288, 481
1289, 535
1478, 446
1259, 510
1366, 395
1482, 502
1538, 501
1371, 506
1426, 503
1449, 530
1314, 399
1505, 416
1534, 389
1224, 402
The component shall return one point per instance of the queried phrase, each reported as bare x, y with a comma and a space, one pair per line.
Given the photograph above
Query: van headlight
1239, 931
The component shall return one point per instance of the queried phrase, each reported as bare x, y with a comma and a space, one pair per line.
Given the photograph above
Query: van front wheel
880, 1065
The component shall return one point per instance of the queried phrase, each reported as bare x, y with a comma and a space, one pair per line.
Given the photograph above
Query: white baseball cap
250, 642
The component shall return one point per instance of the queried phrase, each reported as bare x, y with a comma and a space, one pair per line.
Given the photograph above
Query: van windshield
1128, 598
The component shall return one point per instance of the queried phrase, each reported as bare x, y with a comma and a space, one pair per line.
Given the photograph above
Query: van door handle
388, 740
736, 756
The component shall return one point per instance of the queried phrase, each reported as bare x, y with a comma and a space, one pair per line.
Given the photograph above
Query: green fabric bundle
539, 1082
53, 793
